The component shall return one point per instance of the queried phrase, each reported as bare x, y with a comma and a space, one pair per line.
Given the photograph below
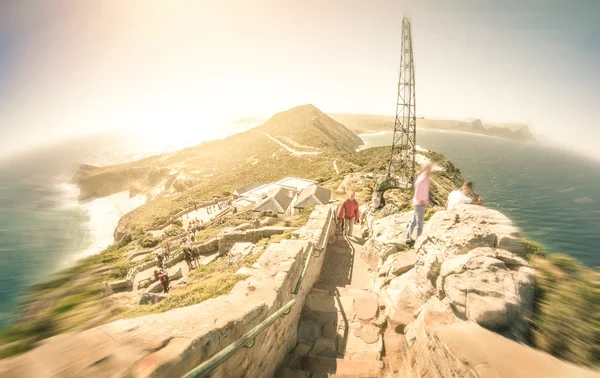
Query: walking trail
339, 333
291, 150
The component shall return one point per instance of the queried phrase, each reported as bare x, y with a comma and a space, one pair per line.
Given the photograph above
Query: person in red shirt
350, 213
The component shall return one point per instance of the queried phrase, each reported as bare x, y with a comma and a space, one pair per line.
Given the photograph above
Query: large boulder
467, 256
386, 233
240, 250
456, 232
483, 289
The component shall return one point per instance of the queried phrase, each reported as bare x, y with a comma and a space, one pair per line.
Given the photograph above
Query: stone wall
174, 342
226, 241
189, 209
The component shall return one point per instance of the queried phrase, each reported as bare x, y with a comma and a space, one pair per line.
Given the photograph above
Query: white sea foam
103, 215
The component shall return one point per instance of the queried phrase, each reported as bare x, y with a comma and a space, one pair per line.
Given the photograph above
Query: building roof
246, 188
263, 190
243, 202
319, 194
278, 201
295, 183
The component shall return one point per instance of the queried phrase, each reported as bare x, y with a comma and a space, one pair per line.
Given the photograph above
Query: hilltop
368, 123
304, 128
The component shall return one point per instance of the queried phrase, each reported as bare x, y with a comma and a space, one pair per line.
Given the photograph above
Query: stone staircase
340, 328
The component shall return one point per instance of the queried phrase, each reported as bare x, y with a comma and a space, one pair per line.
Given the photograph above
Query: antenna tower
401, 170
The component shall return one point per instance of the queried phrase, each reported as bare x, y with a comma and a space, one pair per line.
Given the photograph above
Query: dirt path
291, 150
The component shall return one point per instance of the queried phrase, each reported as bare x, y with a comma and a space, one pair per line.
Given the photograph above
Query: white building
285, 197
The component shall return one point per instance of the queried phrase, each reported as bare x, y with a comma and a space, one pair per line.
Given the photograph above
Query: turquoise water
553, 196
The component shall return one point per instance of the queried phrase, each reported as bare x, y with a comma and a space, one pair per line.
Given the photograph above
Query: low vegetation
566, 321
206, 282
566, 316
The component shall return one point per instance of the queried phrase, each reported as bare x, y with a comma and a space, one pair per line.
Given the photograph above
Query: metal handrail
310, 255
246, 341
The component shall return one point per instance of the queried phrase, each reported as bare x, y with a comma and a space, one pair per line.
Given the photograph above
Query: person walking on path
420, 201
349, 213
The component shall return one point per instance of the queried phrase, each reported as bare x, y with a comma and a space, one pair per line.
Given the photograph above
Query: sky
70, 68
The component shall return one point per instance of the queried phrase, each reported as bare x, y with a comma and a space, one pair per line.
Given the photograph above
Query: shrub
531, 248
149, 242
432, 210
120, 269
178, 222
566, 319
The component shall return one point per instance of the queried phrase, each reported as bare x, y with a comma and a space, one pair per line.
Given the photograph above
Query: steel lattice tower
402, 161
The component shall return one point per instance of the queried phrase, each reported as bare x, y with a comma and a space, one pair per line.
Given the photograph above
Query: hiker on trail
464, 195
420, 201
160, 260
187, 256
349, 213
162, 276
196, 256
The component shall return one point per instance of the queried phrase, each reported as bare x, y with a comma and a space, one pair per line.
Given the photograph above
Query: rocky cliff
460, 302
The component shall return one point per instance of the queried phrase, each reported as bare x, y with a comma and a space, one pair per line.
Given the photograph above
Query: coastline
437, 130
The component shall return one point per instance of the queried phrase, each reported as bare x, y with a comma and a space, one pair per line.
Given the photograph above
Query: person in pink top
420, 201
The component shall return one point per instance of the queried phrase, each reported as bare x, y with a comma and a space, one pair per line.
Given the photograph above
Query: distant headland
370, 123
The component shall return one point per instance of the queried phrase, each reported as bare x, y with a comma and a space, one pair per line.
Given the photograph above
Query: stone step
329, 289
335, 367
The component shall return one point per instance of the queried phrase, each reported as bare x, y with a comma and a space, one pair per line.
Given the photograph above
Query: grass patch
287, 234
211, 281
16, 348
566, 321
120, 269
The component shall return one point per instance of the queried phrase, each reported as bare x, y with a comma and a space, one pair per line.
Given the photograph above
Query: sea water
552, 195
43, 227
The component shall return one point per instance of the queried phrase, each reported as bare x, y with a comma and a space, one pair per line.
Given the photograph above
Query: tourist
349, 213
160, 260
187, 256
162, 276
420, 201
464, 195
196, 256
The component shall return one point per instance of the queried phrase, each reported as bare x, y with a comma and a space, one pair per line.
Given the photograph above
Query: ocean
552, 195
43, 227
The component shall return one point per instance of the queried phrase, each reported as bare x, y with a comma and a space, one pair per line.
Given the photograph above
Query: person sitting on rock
464, 195
162, 276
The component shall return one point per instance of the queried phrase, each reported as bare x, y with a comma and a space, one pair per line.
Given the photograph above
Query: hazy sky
73, 67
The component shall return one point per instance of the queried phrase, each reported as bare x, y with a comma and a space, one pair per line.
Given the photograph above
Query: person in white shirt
464, 195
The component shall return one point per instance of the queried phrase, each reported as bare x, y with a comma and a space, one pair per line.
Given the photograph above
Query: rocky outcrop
388, 236
240, 250
468, 255
452, 302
